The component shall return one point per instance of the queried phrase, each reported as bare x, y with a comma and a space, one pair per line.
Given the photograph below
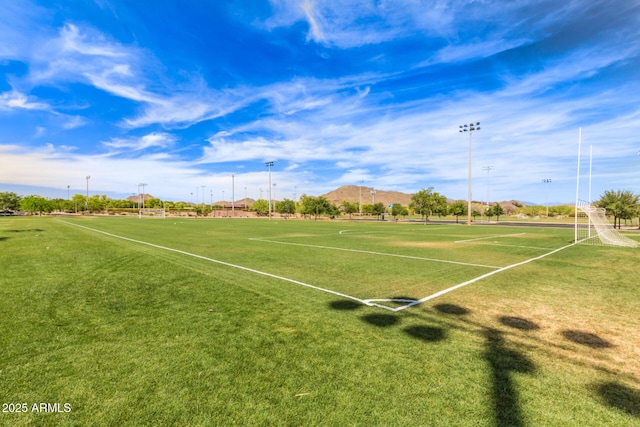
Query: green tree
350, 207
397, 209
153, 203
260, 207
286, 207
496, 210
317, 206
428, 202
62, 205
489, 212
622, 204
33, 204
97, 203
458, 209
378, 209
10, 201
420, 202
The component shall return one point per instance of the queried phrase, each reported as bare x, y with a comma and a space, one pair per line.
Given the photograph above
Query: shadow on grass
426, 333
518, 323
586, 338
620, 397
26, 230
451, 309
503, 362
345, 305
382, 320
3, 238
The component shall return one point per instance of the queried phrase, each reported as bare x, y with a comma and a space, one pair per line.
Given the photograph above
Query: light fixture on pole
469, 128
547, 181
269, 165
488, 169
68, 193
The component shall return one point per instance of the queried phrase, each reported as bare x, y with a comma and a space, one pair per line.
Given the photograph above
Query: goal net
593, 228
151, 213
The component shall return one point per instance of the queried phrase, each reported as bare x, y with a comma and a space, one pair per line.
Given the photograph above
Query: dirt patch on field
424, 244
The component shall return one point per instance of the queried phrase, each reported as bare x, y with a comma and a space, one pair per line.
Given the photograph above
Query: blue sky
182, 95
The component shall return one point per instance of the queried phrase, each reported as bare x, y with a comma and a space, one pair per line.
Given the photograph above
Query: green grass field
115, 321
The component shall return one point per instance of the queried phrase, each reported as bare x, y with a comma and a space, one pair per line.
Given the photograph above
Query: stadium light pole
361, 184
469, 128
488, 169
86, 201
373, 196
547, 181
68, 193
269, 165
233, 193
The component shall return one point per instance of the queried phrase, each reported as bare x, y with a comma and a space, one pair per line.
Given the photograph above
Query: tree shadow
426, 333
503, 362
451, 309
26, 230
620, 397
380, 319
3, 238
518, 323
586, 338
344, 304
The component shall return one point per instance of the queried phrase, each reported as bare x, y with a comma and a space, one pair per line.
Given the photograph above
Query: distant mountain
354, 193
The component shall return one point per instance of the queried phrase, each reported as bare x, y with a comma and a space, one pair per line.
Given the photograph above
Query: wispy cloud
152, 140
15, 100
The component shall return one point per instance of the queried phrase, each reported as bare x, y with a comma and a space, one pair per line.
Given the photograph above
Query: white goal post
593, 228
152, 213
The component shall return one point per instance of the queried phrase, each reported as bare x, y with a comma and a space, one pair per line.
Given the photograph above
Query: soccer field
294, 322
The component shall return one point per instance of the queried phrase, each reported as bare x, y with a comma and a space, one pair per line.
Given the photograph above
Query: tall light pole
68, 193
373, 196
86, 201
469, 128
547, 181
488, 169
274, 193
361, 184
233, 192
269, 165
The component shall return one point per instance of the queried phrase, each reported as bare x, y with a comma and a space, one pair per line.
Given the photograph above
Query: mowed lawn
214, 324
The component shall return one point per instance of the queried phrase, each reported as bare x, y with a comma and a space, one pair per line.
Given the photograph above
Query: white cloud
152, 140
15, 100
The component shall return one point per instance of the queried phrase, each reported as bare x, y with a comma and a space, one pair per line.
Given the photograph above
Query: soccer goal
152, 213
593, 228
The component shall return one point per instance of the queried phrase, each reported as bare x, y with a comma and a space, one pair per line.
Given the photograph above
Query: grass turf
129, 334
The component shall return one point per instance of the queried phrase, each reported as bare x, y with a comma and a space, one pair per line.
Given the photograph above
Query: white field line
468, 282
516, 246
375, 253
487, 238
251, 270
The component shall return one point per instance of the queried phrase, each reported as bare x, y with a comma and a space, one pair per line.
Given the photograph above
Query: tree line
619, 204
